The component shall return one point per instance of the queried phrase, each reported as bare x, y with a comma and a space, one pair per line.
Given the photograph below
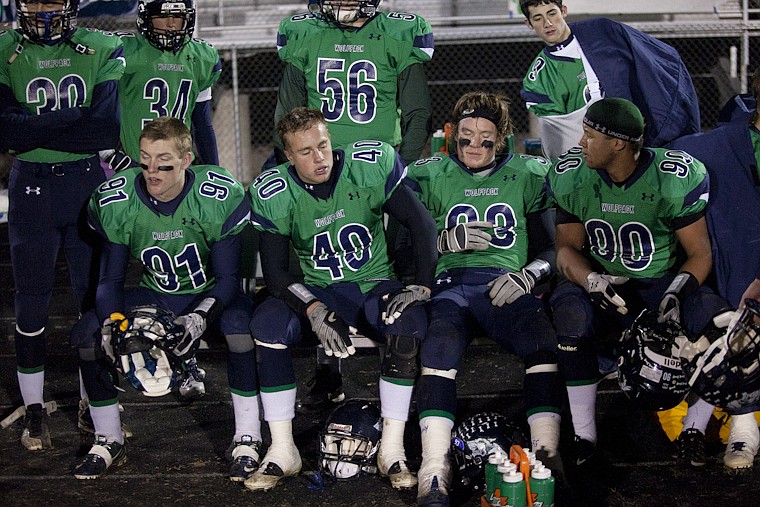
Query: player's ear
187, 159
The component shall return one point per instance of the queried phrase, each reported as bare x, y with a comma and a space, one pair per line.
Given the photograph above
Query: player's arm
204, 135
695, 241
291, 94
416, 111
405, 207
274, 251
109, 296
569, 240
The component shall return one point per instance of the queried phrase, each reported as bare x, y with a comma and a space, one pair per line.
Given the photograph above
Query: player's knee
444, 345
239, 343
542, 361
400, 360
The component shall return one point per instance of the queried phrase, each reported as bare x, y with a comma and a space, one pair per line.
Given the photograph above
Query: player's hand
463, 237
332, 331
398, 302
115, 323
195, 326
509, 287
117, 160
670, 308
600, 288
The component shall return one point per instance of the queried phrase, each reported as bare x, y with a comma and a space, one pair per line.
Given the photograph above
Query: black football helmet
343, 12
475, 439
166, 40
349, 443
139, 343
45, 26
649, 368
723, 365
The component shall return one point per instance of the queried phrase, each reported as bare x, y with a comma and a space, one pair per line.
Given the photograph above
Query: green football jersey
351, 76
49, 78
556, 83
174, 249
630, 229
161, 83
453, 194
340, 239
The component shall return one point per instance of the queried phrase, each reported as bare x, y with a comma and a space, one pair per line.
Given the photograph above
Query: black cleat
690, 448
36, 433
326, 390
102, 455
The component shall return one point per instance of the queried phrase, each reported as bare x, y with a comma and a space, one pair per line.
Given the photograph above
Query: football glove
398, 302
682, 285
462, 237
116, 322
117, 160
509, 287
332, 331
195, 325
600, 288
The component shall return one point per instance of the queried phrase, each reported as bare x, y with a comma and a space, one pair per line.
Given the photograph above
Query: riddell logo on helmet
339, 427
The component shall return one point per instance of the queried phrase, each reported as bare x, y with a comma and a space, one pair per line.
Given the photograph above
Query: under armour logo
188, 221
645, 196
375, 36
441, 281
351, 196
35, 190
508, 177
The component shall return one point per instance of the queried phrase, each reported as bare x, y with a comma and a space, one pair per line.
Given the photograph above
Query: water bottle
542, 486
501, 469
512, 490
438, 142
490, 470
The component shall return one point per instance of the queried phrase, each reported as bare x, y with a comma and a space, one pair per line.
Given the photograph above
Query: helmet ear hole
350, 440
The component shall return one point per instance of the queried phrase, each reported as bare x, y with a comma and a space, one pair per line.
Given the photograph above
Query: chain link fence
478, 55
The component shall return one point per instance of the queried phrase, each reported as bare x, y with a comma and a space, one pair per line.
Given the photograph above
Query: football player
596, 58
622, 210
480, 203
363, 69
182, 223
58, 107
168, 73
730, 153
330, 204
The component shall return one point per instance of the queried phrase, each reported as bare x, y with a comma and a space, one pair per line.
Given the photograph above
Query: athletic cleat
690, 448
85, 424
191, 387
397, 471
245, 455
743, 442
326, 390
583, 450
102, 455
433, 489
277, 464
36, 433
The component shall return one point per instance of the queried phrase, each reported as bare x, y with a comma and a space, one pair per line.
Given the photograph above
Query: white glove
397, 302
603, 294
117, 160
464, 237
195, 326
332, 331
670, 309
509, 287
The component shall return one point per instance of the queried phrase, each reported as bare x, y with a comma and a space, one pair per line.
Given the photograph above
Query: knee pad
444, 346
239, 343
400, 360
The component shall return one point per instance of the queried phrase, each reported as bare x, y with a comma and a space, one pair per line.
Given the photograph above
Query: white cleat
743, 442
397, 471
278, 464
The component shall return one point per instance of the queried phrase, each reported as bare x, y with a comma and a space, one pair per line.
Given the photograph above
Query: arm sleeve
225, 262
416, 112
114, 261
274, 250
204, 135
404, 206
292, 93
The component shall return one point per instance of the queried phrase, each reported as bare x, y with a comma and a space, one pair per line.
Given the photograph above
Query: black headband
481, 112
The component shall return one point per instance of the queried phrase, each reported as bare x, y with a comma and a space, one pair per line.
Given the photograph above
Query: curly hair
494, 105
297, 120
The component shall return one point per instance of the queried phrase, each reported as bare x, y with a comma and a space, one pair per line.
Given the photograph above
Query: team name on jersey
628, 209
51, 64
171, 67
167, 235
349, 48
475, 192
325, 221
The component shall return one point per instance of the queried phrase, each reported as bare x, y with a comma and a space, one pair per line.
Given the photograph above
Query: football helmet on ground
343, 12
723, 364
349, 443
475, 439
47, 21
162, 37
649, 369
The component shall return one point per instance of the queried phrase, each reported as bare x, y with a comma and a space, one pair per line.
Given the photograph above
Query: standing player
731, 154
364, 70
58, 107
480, 203
622, 211
330, 205
183, 225
596, 58
168, 73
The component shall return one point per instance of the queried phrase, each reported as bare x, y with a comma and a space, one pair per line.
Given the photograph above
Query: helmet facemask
347, 455
47, 22
162, 37
343, 12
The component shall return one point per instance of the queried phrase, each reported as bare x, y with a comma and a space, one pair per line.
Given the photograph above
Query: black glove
117, 160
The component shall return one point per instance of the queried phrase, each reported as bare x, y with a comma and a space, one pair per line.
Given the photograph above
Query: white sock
31, 386
107, 422
82, 392
698, 415
582, 401
436, 441
395, 400
392, 441
282, 434
279, 405
544, 432
246, 409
